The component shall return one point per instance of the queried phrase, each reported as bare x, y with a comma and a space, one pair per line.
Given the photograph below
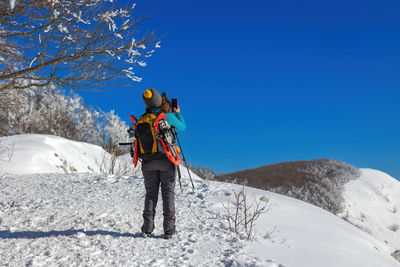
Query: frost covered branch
73, 44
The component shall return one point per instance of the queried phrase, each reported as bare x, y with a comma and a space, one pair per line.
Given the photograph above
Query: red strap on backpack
136, 156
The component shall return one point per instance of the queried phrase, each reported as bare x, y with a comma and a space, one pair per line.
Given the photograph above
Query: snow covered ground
372, 202
36, 153
52, 218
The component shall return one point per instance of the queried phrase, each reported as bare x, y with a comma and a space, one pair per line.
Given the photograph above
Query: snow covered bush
48, 110
116, 132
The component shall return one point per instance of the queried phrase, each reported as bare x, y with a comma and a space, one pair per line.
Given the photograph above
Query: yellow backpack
149, 147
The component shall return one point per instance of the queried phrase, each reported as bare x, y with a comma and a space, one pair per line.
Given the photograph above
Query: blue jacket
174, 119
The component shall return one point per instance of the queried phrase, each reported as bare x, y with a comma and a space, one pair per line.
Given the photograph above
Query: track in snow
89, 219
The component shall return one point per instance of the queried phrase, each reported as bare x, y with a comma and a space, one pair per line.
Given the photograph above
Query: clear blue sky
261, 82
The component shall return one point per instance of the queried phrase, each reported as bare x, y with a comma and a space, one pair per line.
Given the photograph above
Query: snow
12, 4
34, 153
48, 217
87, 219
372, 202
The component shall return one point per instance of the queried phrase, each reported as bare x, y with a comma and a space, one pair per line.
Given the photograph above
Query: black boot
169, 234
146, 234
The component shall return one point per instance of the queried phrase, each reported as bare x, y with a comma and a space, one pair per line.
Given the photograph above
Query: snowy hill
35, 153
368, 199
57, 218
372, 202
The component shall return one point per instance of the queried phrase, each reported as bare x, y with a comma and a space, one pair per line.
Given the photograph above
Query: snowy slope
56, 218
372, 202
35, 153
91, 219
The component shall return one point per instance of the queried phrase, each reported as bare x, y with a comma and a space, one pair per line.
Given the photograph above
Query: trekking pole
183, 156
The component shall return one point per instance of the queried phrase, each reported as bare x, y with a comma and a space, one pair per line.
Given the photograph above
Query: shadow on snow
39, 234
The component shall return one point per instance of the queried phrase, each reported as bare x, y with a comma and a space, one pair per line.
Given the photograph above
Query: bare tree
244, 214
75, 44
107, 163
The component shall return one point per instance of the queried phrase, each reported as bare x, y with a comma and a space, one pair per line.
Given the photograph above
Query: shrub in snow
242, 215
110, 163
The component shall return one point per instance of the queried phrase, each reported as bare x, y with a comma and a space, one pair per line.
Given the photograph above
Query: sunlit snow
73, 215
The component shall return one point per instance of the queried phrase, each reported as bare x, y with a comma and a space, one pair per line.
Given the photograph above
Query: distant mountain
319, 182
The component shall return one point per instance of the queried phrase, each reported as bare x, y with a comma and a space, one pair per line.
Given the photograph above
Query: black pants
158, 172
